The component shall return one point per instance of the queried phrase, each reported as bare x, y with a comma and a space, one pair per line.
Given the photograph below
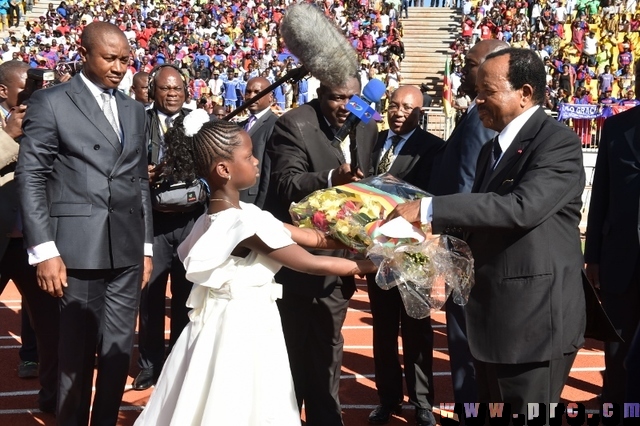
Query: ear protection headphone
154, 74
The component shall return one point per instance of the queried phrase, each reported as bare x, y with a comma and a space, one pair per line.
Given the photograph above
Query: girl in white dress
230, 366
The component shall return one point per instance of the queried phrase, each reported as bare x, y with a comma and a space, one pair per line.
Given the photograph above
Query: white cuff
426, 210
329, 185
42, 252
148, 249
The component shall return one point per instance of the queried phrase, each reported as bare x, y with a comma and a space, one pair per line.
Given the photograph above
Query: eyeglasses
407, 109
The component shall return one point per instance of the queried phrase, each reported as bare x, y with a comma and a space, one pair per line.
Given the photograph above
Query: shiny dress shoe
424, 417
145, 379
382, 414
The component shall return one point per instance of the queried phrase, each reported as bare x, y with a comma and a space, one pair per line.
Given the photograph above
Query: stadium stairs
428, 33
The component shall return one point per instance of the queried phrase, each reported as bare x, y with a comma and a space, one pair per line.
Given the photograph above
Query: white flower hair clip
193, 122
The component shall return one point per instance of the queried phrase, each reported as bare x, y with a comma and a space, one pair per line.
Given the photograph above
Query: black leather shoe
424, 417
145, 379
382, 414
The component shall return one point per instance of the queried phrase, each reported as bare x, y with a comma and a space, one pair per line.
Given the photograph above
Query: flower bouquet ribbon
426, 271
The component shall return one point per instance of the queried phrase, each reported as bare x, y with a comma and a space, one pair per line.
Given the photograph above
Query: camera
37, 78
72, 68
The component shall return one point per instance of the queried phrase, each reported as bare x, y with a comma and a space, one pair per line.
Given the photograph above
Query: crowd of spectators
588, 46
218, 45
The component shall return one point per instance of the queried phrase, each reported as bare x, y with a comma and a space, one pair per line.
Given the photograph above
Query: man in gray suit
259, 125
42, 309
526, 314
454, 173
84, 195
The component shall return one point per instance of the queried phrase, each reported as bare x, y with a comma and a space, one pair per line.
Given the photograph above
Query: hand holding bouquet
426, 270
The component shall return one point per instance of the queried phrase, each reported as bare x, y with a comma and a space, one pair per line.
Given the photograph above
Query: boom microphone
318, 44
360, 109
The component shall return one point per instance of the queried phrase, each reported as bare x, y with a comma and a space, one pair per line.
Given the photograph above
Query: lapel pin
520, 151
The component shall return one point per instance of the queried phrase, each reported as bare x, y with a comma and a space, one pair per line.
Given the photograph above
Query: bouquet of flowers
425, 270
352, 213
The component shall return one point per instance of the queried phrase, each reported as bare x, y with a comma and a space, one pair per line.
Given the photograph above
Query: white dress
230, 366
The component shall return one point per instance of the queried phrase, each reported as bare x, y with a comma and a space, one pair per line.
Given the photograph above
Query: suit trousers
169, 231
29, 348
463, 373
389, 315
624, 312
97, 314
519, 384
312, 330
43, 311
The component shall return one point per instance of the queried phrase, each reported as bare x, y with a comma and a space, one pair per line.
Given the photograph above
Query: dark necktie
387, 158
496, 152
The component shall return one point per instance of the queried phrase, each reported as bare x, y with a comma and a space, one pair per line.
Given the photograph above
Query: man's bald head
105, 54
140, 87
97, 32
255, 86
404, 109
474, 58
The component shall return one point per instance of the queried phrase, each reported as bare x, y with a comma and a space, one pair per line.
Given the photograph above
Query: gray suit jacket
78, 185
613, 230
455, 168
528, 301
8, 192
260, 133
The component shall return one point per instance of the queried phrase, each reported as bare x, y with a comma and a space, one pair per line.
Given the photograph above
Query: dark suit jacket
301, 158
260, 133
414, 161
78, 185
528, 301
456, 162
613, 229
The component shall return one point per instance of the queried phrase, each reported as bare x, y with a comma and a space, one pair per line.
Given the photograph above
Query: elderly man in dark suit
42, 309
313, 308
454, 173
526, 313
84, 195
612, 247
406, 152
259, 125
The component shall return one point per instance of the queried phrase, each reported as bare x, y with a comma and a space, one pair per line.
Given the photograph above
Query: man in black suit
259, 125
42, 309
526, 313
612, 248
84, 197
313, 308
406, 152
454, 173
168, 90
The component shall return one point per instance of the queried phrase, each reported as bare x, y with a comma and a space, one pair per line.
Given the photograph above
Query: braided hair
190, 157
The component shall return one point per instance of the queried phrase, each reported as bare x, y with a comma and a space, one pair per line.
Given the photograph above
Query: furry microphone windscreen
319, 44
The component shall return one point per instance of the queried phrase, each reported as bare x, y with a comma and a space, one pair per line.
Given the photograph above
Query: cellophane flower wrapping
425, 270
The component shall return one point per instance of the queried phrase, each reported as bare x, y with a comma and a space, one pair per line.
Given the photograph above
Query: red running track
18, 403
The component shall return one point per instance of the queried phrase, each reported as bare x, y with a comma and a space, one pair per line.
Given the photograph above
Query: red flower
319, 220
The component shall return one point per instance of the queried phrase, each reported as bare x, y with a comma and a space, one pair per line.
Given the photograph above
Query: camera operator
176, 206
41, 307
